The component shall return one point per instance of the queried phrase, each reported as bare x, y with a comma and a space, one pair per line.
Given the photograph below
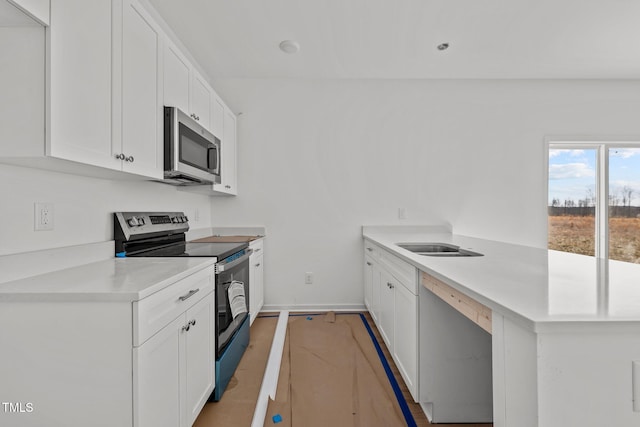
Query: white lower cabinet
156, 380
390, 286
256, 278
108, 363
173, 372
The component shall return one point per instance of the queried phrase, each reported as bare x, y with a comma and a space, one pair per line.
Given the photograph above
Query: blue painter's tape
121, 255
277, 418
309, 318
408, 417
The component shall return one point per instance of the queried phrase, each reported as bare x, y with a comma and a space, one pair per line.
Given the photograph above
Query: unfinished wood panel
470, 308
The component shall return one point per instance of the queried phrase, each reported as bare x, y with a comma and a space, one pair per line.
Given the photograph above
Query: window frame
602, 146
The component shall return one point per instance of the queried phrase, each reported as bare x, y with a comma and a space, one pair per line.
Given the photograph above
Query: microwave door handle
217, 157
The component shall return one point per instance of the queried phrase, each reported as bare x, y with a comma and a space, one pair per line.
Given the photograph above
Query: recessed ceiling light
443, 46
289, 46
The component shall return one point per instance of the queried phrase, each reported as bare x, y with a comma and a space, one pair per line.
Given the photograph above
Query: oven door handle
224, 266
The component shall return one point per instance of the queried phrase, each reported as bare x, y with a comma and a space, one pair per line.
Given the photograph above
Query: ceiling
398, 39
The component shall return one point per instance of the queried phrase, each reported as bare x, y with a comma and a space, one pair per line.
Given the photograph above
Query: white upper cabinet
228, 184
176, 78
101, 95
200, 99
185, 88
138, 115
86, 92
79, 82
217, 115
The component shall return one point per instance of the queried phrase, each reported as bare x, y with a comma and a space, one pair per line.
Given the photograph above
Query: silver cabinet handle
120, 156
129, 159
188, 326
227, 186
390, 285
189, 295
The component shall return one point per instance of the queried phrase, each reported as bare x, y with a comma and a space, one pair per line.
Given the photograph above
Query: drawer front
404, 272
257, 246
401, 270
157, 310
470, 308
372, 250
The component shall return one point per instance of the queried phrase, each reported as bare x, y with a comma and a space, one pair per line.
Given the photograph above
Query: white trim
272, 371
313, 307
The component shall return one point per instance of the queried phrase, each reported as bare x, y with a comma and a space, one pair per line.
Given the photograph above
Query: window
594, 199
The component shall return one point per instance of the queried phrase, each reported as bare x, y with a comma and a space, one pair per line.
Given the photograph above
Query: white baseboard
314, 307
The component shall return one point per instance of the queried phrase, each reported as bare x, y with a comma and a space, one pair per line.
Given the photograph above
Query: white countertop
539, 288
116, 279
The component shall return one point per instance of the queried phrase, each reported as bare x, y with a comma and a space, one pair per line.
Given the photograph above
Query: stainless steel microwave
191, 153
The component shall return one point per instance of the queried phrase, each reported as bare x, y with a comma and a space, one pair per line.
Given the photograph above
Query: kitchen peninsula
564, 327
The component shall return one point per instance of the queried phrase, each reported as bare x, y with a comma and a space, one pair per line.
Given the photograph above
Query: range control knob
133, 222
185, 219
175, 220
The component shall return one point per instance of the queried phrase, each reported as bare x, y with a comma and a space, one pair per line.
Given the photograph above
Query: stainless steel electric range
162, 234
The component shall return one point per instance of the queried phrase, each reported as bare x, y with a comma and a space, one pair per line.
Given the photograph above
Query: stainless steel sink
437, 249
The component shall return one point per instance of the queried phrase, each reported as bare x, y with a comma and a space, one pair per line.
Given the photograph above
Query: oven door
228, 274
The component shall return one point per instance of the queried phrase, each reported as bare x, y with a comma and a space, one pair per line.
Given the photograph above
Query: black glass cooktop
218, 250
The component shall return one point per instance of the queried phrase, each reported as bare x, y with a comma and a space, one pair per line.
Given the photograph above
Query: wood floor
238, 403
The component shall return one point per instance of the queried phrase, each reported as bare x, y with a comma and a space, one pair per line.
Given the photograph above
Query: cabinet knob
227, 186
120, 156
370, 250
186, 328
129, 159
258, 265
390, 285
368, 263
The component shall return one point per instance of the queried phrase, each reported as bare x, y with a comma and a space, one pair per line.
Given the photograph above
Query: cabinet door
200, 99
141, 137
258, 296
405, 350
228, 171
199, 357
156, 378
375, 293
176, 78
368, 282
217, 115
78, 115
387, 306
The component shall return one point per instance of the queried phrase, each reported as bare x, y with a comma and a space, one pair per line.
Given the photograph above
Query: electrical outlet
196, 215
43, 216
308, 278
402, 213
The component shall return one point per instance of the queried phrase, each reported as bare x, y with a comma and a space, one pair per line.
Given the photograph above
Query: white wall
318, 159
83, 207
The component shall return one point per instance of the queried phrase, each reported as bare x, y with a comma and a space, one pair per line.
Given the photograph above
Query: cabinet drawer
470, 308
154, 312
401, 270
257, 246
